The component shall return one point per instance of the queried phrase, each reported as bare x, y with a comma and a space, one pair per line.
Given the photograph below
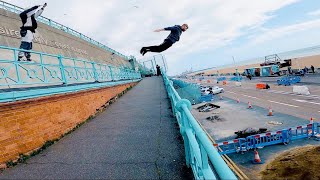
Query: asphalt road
303, 106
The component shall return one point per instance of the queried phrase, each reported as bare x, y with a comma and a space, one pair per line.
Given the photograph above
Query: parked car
217, 90
211, 90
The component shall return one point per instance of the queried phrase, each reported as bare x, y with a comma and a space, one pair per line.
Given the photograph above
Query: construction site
265, 124
72, 107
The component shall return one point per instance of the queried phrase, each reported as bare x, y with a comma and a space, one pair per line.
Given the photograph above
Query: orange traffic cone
238, 100
257, 159
270, 112
311, 120
249, 105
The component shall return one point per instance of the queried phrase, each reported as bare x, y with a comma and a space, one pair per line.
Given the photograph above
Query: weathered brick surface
27, 125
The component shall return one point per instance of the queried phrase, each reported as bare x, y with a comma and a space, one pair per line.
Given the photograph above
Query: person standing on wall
158, 70
28, 28
173, 37
312, 69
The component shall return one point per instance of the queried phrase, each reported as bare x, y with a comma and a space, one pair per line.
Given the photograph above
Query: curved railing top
200, 152
18, 10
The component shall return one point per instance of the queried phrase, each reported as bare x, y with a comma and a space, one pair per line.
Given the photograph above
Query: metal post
75, 69
111, 73
95, 74
42, 67
16, 63
63, 76
236, 69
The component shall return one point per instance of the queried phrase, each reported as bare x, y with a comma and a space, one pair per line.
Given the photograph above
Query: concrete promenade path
134, 138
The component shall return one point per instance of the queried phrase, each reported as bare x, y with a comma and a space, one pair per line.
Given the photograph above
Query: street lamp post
236, 69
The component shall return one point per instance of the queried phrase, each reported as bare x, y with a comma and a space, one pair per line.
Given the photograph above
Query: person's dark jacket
175, 34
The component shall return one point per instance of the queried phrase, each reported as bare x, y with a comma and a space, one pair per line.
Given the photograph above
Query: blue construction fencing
201, 156
221, 79
284, 136
288, 80
188, 91
236, 78
206, 98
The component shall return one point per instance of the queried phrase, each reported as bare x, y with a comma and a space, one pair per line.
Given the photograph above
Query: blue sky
219, 29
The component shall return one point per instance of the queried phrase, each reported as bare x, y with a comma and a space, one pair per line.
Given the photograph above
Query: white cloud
314, 13
122, 26
270, 34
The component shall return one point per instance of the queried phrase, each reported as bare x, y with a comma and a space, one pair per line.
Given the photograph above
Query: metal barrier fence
204, 159
288, 80
284, 136
48, 69
49, 22
190, 91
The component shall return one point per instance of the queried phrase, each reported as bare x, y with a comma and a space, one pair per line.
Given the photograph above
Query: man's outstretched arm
39, 12
164, 29
158, 30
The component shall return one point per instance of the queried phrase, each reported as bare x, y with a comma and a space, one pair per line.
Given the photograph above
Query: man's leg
164, 46
21, 53
27, 54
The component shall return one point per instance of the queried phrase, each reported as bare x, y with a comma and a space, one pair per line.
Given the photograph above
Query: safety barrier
284, 136
261, 86
186, 90
236, 78
221, 79
301, 90
49, 22
288, 80
224, 83
206, 98
21, 80
204, 159
56, 69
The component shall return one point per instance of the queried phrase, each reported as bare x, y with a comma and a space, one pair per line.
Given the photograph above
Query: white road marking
231, 92
304, 101
249, 96
286, 93
243, 95
283, 104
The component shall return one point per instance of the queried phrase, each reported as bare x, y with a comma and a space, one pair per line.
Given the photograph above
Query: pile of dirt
299, 163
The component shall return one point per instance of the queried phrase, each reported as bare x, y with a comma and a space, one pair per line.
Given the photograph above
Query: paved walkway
135, 138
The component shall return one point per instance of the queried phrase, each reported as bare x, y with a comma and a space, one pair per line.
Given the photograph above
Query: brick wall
26, 125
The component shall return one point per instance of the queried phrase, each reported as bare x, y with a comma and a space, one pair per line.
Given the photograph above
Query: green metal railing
204, 159
56, 69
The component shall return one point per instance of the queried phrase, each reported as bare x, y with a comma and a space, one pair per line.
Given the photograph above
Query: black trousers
164, 46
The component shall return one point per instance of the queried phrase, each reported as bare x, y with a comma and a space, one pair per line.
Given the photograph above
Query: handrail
57, 69
49, 22
204, 159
